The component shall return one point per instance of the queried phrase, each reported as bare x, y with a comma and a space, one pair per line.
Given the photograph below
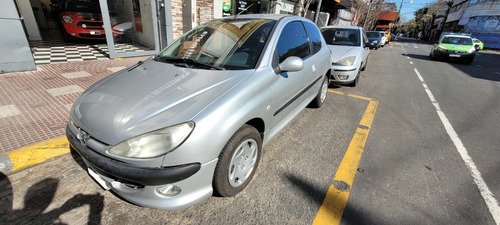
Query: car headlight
155, 143
348, 61
67, 19
471, 50
440, 48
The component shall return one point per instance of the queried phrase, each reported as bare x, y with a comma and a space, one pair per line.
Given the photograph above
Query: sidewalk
34, 108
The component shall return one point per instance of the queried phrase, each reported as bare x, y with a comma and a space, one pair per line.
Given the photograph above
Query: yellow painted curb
337, 195
38, 153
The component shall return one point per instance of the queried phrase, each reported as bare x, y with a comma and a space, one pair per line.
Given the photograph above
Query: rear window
341, 36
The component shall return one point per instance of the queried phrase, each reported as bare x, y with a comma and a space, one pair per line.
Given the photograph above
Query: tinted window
457, 40
315, 36
293, 42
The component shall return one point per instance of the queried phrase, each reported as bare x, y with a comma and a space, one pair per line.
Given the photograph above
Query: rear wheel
237, 162
320, 98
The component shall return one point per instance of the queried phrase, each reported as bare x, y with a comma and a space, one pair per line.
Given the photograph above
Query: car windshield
372, 34
233, 44
457, 40
91, 6
341, 36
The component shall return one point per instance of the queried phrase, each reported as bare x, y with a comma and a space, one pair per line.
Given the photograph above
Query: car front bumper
453, 55
141, 185
343, 74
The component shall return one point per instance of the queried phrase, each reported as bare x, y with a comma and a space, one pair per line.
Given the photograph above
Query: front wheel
237, 162
320, 98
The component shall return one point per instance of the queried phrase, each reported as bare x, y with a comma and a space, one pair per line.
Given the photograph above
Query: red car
82, 19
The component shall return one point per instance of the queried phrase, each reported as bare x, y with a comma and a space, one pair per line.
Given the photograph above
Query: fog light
343, 77
73, 34
168, 190
84, 26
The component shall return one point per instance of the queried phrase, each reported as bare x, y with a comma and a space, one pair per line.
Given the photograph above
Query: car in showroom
350, 50
375, 39
192, 120
451, 46
81, 19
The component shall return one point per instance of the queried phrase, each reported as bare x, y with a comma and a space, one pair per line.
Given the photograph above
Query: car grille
455, 51
91, 36
88, 141
90, 24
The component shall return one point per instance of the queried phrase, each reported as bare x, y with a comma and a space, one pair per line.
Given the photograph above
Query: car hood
341, 51
455, 47
147, 97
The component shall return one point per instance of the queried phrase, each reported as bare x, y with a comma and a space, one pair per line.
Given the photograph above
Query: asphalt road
410, 171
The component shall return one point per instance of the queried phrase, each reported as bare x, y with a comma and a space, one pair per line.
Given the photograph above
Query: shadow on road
352, 214
37, 200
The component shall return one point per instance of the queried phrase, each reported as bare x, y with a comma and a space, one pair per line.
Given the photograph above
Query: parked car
478, 44
375, 39
454, 47
169, 131
384, 38
349, 46
81, 19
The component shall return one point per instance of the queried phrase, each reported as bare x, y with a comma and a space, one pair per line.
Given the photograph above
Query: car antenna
243, 10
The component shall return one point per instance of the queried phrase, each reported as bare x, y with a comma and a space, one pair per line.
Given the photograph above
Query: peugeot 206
191, 121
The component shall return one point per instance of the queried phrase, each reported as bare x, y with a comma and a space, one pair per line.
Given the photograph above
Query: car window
315, 36
341, 36
457, 40
228, 44
373, 34
91, 6
293, 41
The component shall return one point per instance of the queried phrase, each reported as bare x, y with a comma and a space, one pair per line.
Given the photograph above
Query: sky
411, 6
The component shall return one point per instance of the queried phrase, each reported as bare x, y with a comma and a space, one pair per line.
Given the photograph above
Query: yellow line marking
336, 197
38, 153
336, 92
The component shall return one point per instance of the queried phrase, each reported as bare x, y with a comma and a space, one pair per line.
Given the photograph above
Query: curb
33, 154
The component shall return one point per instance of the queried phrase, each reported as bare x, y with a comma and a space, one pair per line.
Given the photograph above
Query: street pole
316, 16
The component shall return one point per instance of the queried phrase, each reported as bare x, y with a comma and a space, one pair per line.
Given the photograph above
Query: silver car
350, 50
168, 132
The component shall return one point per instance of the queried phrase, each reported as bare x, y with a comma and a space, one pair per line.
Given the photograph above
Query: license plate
99, 179
95, 32
454, 55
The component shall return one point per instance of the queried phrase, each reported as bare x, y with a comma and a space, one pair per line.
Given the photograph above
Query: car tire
356, 80
238, 162
320, 98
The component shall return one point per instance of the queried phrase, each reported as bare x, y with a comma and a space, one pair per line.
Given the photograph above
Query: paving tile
76, 74
116, 69
9, 110
65, 90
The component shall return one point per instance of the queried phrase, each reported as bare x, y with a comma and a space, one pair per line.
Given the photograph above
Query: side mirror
291, 64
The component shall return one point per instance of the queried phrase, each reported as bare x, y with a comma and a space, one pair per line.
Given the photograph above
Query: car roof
339, 26
454, 35
260, 16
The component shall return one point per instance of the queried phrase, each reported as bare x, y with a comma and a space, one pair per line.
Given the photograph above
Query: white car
350, 49
384, 38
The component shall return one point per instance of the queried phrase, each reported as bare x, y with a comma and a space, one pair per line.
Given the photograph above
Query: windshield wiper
186, 62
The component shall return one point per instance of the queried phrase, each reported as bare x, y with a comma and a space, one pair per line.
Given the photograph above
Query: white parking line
411, 62
487, 195
497, 73
478, 65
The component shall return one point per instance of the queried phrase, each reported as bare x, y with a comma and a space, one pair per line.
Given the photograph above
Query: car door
288, 87
366, 49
